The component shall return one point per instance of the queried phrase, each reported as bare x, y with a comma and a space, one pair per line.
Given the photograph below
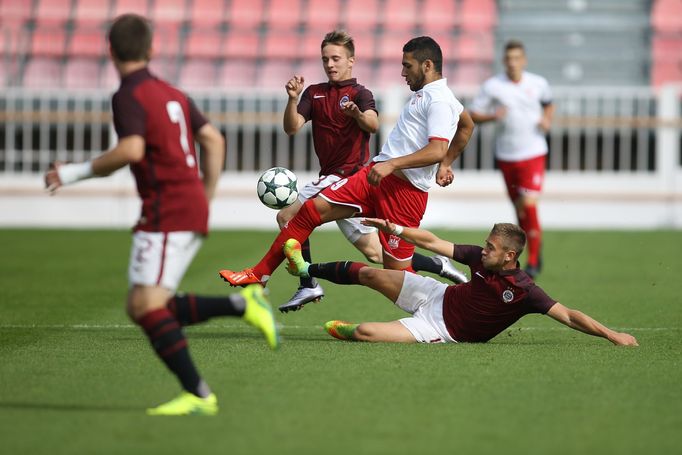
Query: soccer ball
277, 188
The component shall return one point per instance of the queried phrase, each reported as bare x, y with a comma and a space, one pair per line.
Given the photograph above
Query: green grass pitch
76, 375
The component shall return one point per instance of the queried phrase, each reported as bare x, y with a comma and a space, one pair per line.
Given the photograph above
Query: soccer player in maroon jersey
343, 115
430, 134
498, 294
157, 126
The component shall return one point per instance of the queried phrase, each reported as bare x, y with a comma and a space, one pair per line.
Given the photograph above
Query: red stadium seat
88, 42
197, 73
390, 46
130, 6
322, 16
52, 13
399, 15
241, 44
666, 72
361, 14
388, 75
437, 16
281, 45
237, 73
166, 41
283, 15
91, 13
168, 12
43, 72
207, 13
82, 73
204, 42
245, 14
310, 46
474, 47
365, 46
13, 41
15, 13
274, 73
48, 42
666, 16
311, 70
478, 15
667, 49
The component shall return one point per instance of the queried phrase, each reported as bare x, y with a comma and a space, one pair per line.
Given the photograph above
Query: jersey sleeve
196, 118
483, 101
305, 106
364, 99
129, 115
467, 254
539, 301
439, 120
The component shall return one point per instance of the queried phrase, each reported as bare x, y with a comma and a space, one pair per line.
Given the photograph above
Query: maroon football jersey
173, 197
491, 301
340, 144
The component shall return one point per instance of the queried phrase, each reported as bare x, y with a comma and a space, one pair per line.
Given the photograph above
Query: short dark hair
514, 44
340, 38
130, 37
425, 48
513, 237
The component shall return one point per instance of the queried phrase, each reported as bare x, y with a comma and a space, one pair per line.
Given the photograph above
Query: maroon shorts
395, 199
523, 177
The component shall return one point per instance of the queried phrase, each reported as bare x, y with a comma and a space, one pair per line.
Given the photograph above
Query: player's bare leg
370, 246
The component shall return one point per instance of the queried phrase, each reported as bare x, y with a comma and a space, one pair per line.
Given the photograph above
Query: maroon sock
191, 309
344, 272
167, 339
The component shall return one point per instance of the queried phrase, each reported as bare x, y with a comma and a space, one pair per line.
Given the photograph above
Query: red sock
298, 228
531, 224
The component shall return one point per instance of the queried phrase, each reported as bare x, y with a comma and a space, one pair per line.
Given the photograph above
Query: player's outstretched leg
242, 278
298, 266
341, 329
187, 404
258, 313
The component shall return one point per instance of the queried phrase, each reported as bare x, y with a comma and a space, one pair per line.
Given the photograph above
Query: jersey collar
345, 83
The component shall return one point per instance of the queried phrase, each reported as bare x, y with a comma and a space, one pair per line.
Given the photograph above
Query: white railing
607, 145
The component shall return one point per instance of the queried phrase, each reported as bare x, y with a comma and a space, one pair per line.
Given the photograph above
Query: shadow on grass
31, 406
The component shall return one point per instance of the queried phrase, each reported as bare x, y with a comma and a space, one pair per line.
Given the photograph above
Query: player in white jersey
521, 104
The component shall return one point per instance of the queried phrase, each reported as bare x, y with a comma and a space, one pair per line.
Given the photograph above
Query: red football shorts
523, 177
395, 199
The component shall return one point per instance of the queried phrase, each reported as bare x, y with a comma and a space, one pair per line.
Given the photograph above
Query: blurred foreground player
157, 126
498, 294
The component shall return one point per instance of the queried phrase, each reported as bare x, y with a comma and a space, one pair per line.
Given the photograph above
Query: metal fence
595, 129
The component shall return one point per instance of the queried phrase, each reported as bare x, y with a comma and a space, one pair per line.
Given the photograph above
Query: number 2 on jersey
176, 115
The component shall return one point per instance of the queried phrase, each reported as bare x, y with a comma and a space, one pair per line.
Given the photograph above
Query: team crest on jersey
393, 242
344, 100
507, 296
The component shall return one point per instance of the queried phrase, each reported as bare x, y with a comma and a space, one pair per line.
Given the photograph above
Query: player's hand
351, 109
500, 113
383, 225
379, 171
444, 176
545, 124
52, 180
295, 86
624, 339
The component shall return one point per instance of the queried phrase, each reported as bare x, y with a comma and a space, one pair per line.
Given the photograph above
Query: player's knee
282, 219
368, 275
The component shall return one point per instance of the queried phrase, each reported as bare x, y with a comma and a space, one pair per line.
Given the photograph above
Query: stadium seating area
666, 25
237, 43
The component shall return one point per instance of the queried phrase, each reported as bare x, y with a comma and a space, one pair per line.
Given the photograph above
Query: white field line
283, 326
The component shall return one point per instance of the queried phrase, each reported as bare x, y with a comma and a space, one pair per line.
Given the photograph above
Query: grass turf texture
76, 376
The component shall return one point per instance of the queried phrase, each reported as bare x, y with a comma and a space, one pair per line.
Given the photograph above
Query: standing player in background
343, 115
521, 103
157, 126
431, 133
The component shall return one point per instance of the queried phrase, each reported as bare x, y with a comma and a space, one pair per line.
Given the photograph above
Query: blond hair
513, 237
339, 38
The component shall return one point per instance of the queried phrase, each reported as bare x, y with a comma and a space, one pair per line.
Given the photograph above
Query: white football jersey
431, 113
519, 136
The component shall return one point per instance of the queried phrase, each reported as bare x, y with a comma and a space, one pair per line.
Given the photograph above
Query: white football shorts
161, 258
422, 297
352, 228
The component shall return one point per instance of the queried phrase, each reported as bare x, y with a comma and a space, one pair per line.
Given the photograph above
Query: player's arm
212, 156
129, 149
547, 116
465, 128
367, 121
419, 237
293, 121
582, 322
434, 152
